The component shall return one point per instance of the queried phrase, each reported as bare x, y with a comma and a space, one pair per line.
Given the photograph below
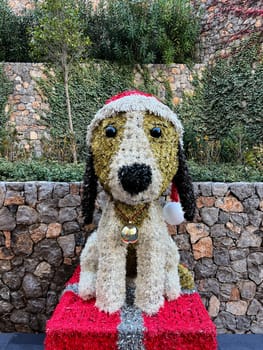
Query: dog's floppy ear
183, 182
89, 191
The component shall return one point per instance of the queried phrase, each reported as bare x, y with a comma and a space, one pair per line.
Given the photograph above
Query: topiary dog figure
135, 151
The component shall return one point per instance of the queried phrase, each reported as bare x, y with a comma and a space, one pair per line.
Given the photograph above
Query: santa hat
135, 100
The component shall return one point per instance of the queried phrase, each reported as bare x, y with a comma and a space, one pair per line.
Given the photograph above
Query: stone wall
225, 23
27, 105
41, 236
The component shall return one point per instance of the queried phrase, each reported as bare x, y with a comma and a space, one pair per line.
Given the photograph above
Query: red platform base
183, 324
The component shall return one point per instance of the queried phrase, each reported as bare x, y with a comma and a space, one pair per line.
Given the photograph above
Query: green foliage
40, 171
90, 86
56, 171
157, 31
14, 34
225, 112
59, 36
224, 172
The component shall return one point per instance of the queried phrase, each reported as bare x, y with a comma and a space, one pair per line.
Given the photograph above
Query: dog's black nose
135, 178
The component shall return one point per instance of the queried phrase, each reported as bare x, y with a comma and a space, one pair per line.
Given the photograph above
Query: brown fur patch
104, 148
164, 148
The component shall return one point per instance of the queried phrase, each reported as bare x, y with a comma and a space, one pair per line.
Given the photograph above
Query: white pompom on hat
172, 211
134, 100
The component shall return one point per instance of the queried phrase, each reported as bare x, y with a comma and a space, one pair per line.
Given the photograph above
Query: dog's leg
88, 265
111, 275
172, 281
151, 251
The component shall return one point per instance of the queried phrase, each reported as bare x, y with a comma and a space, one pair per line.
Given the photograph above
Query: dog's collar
134, 214
132, 218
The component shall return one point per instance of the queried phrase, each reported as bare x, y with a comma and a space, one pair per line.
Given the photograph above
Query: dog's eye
156, 132
110, 131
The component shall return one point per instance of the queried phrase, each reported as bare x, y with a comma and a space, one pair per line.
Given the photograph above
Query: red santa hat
134, 100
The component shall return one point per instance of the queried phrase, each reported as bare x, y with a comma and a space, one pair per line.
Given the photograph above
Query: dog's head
135, 151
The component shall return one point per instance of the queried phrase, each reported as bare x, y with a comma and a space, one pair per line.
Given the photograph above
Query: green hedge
55, 171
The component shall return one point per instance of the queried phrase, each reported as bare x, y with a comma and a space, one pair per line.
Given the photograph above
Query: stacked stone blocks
42, 234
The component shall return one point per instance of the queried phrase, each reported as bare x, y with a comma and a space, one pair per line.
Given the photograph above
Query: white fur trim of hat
135, 100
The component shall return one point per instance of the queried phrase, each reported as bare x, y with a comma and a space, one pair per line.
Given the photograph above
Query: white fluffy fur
103, 260
157, 264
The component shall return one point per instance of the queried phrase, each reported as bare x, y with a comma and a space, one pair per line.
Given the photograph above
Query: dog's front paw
173, 294
87, 285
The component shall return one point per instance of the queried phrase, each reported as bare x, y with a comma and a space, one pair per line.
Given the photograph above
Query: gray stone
206, 188
227, 320
36, 305
243, 323
48, 250
240, 219
22, 244
2, 193
5, 266
223, 242
247, 289
7, 220
259, 189
31, 194
256, 218
208, 286
209, 215
218, 230
67, 244
238, 254
223, 217
226, 275
5, 293
5, 307
31, 286
51, 302
45, 190
257, 326
26, 215
14, 186
13, 278
250, 204
43, 270
226, 291
255, 270
221, 257
48, 211
242, 190
61, 190
70, 227
205, 268
182, 241
249, 239
196, 188
67, 214
239, 265
238, 307
18, 299
254, 308
70, 200
219, 189
20, 316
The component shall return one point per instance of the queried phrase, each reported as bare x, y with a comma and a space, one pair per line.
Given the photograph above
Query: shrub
55, 171
90, 86
157, 31
14, 34
226, 107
